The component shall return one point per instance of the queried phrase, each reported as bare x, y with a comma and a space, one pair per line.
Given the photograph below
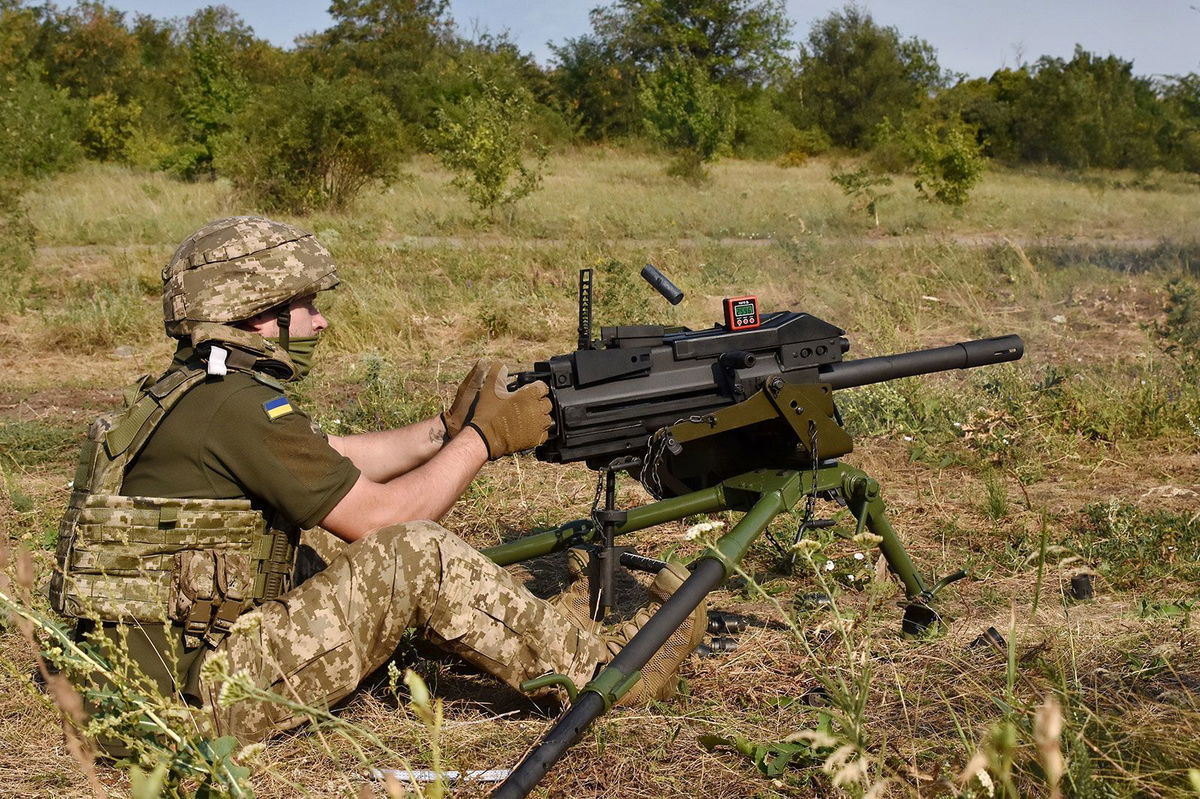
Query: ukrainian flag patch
277, 407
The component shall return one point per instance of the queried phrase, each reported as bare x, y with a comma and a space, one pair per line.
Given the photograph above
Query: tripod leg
863, 496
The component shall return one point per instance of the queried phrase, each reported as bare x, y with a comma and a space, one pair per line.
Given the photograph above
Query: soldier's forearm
386, 454
426, 492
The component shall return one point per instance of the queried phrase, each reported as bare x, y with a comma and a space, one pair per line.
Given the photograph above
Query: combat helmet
235, 268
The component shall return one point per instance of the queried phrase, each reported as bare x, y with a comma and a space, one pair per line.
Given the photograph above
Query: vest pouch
194, 562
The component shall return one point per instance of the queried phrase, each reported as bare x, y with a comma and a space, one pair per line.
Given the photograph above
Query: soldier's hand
510, 421
455, 418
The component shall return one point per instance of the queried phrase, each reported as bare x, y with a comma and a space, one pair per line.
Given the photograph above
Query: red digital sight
741, 313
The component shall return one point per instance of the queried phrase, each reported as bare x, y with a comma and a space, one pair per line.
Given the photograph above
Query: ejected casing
723, 624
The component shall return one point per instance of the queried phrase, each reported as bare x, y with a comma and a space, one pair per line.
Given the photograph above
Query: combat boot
575, 600
660, 675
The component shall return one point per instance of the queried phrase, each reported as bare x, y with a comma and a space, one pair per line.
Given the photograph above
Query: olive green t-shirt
233, 437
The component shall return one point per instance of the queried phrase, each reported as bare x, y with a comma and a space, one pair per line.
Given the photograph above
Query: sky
975, 37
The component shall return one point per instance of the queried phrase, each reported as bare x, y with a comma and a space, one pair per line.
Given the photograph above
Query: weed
1179, 333
385, 400
29, 444
995, 505
102, 317
1134, 548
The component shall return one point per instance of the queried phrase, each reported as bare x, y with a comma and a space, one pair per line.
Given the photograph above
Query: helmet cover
235, 268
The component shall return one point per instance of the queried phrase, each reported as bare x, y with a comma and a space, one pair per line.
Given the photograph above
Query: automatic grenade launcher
737, 417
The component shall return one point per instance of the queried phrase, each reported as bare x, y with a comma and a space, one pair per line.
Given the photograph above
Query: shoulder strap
269, 381
132, 429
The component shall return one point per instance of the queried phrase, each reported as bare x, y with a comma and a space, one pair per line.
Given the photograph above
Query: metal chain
656, 449
810, 503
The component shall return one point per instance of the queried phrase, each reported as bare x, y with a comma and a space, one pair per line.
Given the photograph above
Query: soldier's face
307, 320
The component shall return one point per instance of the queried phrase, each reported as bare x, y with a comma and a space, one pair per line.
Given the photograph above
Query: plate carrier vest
198, 563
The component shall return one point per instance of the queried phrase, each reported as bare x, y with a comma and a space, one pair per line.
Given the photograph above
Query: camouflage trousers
318, 641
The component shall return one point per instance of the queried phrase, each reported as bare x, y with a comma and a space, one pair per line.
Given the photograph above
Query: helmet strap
284, 319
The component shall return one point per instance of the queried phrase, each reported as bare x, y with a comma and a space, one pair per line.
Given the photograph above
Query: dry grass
427, 292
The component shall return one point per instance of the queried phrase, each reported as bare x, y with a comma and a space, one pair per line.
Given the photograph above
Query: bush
949, 164
763, 131
1178, 334
16, 249
312, 143
945, 156
689, 114
109, 131
805, 143
40, 131
482, 138
862, 186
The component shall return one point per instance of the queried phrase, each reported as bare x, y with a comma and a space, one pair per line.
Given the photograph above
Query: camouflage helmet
235, 268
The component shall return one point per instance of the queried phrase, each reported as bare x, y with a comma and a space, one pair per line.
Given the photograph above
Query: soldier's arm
425, 492
387, 454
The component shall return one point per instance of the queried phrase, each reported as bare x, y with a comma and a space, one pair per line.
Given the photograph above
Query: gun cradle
783, 426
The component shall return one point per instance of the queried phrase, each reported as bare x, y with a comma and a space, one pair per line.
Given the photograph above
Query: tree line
309, 126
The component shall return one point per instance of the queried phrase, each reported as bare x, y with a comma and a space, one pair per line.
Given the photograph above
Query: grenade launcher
739, 416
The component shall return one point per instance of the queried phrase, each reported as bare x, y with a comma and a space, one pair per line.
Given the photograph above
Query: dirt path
970, 240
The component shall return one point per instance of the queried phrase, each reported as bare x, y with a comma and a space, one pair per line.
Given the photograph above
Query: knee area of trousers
411, 540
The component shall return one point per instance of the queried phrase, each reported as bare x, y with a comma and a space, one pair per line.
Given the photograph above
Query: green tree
596, 88
41, 127
483, 139
213, 89
689, 114
397, 46
110, 127
855, 73
740, 42
89, 50
312, 143
989, 105
1180, 136
1088, 112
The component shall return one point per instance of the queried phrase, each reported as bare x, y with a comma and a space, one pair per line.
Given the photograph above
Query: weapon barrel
965, 355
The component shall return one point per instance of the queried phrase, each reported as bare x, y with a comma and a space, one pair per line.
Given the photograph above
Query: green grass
1136, 548
1075, 440
31, 444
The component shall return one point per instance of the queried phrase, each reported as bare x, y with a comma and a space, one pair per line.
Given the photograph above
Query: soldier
181, 535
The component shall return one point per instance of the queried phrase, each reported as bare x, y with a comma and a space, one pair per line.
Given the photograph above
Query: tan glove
509, 421
459, 412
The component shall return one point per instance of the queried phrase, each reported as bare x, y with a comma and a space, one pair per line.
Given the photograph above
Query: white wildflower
697, 530
806, 546
246, 623
251, 753
215, 667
